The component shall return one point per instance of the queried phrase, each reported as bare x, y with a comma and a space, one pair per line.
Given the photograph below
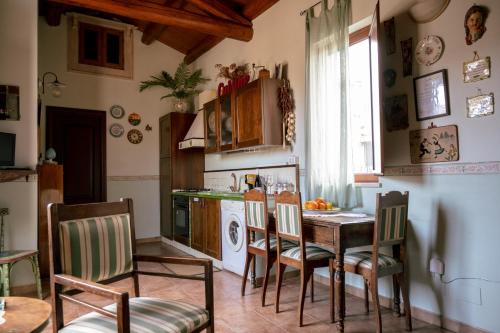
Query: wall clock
429, 50
134, 136
117, 111
116, 130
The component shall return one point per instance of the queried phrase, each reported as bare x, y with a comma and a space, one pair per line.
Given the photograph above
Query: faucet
235, 187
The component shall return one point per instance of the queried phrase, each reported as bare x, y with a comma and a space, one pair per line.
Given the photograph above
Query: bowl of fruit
319, 205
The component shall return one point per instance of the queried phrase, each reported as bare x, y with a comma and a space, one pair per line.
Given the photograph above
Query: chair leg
36, 273
6, 279
304, 277
312, 286
279, 280
367, 302
395, 286
248, 260
332, 290
269, 264
406, 299
376, 304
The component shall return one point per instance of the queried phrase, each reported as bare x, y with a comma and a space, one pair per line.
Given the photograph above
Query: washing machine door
234, 232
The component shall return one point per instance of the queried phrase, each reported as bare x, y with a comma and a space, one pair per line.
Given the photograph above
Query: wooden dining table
339, 232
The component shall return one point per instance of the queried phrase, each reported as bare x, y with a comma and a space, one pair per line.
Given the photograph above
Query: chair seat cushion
364, 259
312, 253
147, 315
273, 244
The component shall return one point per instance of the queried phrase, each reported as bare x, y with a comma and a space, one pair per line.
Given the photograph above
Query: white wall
18, 62
453, 217
132, 169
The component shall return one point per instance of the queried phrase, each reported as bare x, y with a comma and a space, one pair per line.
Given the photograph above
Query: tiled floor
234, 313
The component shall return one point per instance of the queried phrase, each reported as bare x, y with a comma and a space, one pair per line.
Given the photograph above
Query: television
7, 149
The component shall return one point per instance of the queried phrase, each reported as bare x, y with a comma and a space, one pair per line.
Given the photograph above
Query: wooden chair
303, 257
11, 257
390, 230
92, 243
257, 221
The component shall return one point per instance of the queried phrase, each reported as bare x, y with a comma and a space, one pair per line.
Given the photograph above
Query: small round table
24, 314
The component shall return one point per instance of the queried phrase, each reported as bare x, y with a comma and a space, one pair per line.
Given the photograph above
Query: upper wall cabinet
248, 117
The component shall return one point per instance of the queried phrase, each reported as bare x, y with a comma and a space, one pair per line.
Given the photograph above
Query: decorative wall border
472, 168
132, 178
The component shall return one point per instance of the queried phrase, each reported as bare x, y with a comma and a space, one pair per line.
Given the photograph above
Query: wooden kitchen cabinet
211, 121
205, 226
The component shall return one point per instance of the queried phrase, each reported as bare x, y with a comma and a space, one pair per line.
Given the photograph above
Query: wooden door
212, 228
79, 139
249, 115
197, 224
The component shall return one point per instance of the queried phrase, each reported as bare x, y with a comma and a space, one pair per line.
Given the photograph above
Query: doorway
79, 139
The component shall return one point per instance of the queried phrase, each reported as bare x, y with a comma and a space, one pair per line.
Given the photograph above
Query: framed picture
481, 105
9, 103
436, 144
396, 113
477, 70
431, 95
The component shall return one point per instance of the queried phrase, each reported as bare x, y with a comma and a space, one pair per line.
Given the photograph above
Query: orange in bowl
311, 205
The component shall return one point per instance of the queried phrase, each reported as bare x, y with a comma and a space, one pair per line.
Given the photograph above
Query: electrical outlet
436, 266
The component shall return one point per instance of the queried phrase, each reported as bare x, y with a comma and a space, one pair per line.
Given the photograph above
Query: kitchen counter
212, 195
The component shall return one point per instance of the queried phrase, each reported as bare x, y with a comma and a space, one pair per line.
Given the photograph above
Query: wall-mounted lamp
55, 85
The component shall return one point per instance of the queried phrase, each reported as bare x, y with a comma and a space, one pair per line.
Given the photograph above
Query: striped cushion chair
390, 230
302, 257
93, 245
256, 217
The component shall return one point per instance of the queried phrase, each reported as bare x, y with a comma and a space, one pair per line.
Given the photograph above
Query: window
99, 46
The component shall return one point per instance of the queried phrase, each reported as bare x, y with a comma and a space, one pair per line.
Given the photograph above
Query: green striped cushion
255, 214
273, 244
364, 259
288, 219
312, 252
392, 223
147, 315
96, 248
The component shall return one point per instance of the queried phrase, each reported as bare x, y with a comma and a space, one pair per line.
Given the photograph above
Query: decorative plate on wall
134, 119
429, 50
116, 130
134, 136
117, 111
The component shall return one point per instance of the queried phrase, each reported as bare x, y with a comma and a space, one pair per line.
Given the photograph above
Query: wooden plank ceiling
192, 27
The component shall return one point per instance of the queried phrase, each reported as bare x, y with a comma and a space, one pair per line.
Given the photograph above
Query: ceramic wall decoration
429, 50
390, 36
389, 77
406, 52
116, 130
9, 103
475, 23
148, 128
134, 119
117, 111
477, 69
437, 144
480, 105
396, 113
134, 136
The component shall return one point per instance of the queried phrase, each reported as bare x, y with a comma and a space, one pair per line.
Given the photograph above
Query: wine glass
269, 183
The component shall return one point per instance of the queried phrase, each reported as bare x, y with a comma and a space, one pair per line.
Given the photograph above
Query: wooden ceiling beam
201, 48
53, 14
152, 32
220, 9
151, 12
257, 7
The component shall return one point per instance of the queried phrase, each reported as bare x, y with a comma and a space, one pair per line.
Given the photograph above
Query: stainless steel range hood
195, 137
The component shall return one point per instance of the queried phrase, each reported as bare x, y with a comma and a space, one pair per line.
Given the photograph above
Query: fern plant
183, 84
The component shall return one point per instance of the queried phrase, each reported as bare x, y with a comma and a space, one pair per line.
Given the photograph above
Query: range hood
195, 137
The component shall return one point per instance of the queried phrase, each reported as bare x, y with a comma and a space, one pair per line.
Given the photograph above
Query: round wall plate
117, 111
134, 119
116, 130
134, 136
429, 50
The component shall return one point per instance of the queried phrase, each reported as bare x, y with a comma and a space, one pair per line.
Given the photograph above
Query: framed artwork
431, 95
407, 54
474, 23
476, 70
480, 105
436, 144
396, 113
9, 103
390, 36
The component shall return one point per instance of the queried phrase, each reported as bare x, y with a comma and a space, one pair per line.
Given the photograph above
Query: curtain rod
305, 10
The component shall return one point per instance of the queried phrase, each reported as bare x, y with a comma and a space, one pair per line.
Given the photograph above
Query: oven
182, 228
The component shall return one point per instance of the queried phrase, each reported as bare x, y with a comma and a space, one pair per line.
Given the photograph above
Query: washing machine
233, 236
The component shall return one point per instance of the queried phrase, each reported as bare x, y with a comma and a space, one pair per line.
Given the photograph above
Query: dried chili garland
286, 106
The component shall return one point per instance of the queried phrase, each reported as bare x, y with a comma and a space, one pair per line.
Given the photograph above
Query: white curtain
329, 154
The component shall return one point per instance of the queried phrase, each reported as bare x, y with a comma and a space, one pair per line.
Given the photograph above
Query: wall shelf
11, 175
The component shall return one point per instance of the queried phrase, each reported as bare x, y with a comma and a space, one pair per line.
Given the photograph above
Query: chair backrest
92, 241
256, 210
288, 216
391, 218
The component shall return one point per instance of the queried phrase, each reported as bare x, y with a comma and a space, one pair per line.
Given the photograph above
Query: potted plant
182, 85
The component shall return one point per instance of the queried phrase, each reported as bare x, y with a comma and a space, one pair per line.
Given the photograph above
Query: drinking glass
269, 183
